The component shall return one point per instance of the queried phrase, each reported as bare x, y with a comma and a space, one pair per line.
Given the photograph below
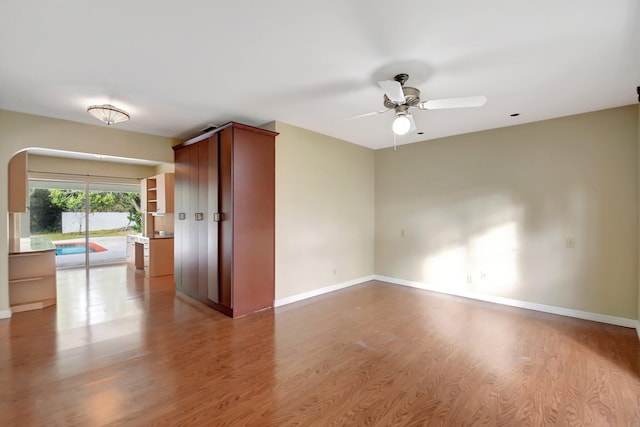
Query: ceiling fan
400, 98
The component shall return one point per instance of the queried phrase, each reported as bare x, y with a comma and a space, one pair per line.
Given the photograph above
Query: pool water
75, 248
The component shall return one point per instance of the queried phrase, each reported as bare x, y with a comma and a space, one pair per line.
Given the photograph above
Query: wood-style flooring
119, 349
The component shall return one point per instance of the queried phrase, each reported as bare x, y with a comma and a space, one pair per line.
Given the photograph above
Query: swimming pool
77, 248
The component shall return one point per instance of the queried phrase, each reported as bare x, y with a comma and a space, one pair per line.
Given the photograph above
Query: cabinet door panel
185, 266
212, 225
253, 221
190, 244
201, 224
181, 175
225, 254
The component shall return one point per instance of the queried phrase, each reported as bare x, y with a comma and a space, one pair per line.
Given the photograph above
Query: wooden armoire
225, 218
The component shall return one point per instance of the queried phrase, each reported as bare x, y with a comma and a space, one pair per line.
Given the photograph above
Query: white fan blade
393, 89
373, 113
464, 102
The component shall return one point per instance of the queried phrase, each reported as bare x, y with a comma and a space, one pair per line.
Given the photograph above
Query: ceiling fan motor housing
411, 98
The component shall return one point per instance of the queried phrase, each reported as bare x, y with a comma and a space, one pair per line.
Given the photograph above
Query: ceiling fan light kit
108, 114
400, 98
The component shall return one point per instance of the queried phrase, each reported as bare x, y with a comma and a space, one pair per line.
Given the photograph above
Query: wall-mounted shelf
156, 199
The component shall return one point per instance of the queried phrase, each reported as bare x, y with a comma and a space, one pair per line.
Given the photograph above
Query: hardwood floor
120, 349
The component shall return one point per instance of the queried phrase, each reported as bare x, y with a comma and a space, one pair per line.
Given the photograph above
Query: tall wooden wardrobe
225, 218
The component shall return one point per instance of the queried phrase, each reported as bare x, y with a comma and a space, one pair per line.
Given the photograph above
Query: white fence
75, 221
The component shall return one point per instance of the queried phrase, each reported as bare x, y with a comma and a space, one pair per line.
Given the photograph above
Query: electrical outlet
483, 275
469, 279
571, 242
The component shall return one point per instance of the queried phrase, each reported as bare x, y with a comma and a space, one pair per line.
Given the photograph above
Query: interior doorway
87, 221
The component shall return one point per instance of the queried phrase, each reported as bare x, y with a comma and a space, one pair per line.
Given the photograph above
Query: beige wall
498, 207
324, 211
19, 131
92, 169
164, 168
499, 203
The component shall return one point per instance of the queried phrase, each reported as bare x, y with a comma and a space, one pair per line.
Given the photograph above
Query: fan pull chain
395, 146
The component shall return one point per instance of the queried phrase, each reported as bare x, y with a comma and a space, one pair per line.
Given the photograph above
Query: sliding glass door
114, 213
86, 221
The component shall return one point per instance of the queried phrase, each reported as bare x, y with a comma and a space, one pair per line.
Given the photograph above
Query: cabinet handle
217, 217
199, 216
182, 216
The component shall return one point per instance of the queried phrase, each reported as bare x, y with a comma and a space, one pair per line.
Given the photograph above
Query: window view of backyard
58, 212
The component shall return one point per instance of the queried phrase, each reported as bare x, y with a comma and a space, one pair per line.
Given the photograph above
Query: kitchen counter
142, 239
32, 273
30, 244
153, 254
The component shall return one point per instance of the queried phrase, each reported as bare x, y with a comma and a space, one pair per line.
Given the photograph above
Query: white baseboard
5, 314
602, 318
316, 292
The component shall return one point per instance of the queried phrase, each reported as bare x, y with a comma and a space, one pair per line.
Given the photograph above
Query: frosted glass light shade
108, 113
401, 124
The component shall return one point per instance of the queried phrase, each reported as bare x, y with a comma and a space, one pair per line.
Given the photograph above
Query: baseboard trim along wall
602, 318
5, 314
316, 292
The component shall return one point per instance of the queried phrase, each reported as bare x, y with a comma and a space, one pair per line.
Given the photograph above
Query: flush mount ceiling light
108, 113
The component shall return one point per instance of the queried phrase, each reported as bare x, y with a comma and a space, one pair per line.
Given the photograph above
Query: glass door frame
81, 183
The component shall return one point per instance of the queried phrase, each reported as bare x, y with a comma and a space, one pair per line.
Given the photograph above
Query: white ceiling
177, 66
